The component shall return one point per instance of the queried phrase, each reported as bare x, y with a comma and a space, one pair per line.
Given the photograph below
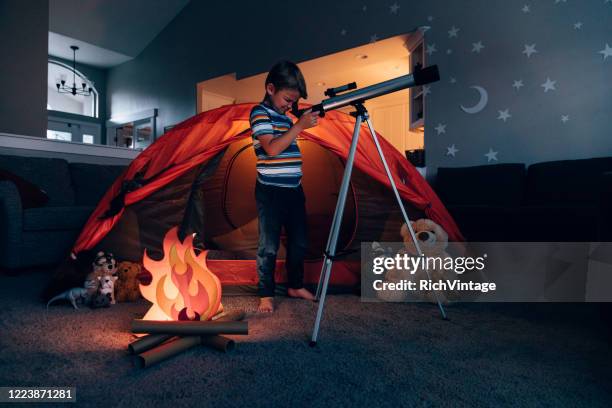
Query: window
88, 139
57, 135
66, 102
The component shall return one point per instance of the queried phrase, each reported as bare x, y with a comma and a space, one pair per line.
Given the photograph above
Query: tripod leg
340, 203
401, 205
335, 220
335, 230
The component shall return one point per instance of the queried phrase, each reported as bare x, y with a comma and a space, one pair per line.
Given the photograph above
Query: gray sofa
44, 235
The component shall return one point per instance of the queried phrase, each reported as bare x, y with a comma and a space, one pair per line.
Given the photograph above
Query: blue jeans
279, 207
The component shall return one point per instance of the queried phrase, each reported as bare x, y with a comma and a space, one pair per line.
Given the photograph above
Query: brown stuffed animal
433, 242
126, 287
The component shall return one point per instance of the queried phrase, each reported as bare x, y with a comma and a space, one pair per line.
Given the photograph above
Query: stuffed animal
433, 241
100, 300
127, 287
107, 286
74, 296
103, 264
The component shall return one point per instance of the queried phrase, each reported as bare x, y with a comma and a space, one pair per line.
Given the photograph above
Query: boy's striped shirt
284, 169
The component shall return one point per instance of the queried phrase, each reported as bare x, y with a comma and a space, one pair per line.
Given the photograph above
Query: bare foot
266, 305
301, 293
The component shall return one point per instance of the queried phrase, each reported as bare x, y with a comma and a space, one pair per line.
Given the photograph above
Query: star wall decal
607, 52
424, 29
440, 129
549, 85
529, 49
431, 48
491, 155
518, 84
452, 33
451, 150
578, 25
373, 39
343, 32
453, 80
394, 8
504, 115
449, 51
564, 118
364, 8
426, 90
430, 18
476, 47
526, 9
560, 1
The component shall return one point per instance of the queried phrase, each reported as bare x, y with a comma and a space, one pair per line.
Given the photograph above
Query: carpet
369, 354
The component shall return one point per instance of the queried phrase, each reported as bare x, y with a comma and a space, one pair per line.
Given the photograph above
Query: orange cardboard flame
182, 287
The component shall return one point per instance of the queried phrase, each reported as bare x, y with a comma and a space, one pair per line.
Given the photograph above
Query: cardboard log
147, 342
179, 344
220, 343
189, 328
166, 350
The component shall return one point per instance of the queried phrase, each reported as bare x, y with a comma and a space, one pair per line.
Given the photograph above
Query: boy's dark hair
287, 75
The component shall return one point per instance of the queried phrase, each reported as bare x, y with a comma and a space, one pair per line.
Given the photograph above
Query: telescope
420, 76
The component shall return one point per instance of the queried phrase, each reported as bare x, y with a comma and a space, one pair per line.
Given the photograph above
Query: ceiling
108, 32
367, 65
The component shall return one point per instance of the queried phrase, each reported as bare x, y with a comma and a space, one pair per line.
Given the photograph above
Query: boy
278, 191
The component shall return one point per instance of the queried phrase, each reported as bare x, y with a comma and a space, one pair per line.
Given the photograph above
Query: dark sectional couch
565, 201
44, 235
568, 200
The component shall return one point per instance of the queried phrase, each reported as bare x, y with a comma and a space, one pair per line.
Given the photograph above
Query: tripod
361, 115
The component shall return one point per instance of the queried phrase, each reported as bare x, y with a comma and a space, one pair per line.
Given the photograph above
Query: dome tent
200, 176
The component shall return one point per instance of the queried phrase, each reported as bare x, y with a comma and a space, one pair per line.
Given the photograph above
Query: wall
207, 40
24, 27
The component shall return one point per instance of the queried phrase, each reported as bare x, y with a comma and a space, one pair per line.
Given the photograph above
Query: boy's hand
308, 119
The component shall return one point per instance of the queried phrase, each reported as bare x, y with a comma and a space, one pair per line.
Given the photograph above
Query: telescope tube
418, 77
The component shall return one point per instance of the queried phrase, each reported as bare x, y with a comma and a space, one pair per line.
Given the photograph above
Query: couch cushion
50, 175
482, 223
91, 181
31, 196
566, 182
55, 218
497, 185
559, 223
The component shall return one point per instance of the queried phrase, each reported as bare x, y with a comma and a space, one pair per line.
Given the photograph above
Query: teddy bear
433, 241
126, 288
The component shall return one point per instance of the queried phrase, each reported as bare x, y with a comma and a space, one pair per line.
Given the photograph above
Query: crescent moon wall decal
484, 99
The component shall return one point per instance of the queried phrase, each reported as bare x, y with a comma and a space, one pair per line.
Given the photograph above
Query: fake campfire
186, 309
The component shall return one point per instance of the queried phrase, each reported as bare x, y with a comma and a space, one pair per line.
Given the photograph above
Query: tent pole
360, 115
